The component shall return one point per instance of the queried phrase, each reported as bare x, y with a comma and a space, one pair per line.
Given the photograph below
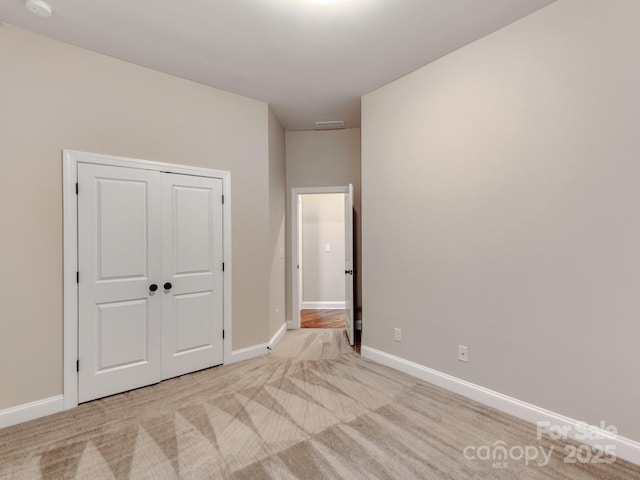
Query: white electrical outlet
397, 334
463, 353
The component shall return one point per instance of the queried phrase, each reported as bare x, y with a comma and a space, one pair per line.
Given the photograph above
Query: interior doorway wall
317, 159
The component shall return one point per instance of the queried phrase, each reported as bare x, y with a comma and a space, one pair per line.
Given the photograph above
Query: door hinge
77, 277
76, 188
223, 334
223, 199
223, 266
77, 365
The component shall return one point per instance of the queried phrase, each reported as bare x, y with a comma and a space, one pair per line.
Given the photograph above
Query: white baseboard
323, 305
275, 340
258, 350
248, 353
291, 325
625, 448
31, 411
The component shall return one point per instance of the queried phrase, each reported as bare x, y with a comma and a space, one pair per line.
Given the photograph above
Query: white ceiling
310, 59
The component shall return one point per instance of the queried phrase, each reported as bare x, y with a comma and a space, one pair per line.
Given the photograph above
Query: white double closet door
150, 258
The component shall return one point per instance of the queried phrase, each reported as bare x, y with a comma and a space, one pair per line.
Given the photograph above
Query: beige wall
321, 159
54, 96
276, 224
322, 271
500, 195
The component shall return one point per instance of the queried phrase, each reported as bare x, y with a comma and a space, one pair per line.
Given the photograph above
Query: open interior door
348, 264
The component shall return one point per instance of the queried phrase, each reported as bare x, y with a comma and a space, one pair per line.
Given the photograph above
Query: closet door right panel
192, 287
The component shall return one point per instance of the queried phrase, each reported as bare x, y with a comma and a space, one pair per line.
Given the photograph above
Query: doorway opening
322, 258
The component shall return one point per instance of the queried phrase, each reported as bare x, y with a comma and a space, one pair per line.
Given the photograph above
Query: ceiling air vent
330, 124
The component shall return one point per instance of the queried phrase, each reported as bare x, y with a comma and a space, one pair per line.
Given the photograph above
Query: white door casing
300, 266
135, 194
296, 247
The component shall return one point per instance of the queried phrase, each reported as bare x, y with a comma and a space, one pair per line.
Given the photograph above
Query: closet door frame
70, 160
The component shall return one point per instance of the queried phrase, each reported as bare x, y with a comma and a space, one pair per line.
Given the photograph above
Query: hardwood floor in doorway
322, 318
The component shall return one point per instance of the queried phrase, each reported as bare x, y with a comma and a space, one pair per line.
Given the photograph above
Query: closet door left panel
119, 248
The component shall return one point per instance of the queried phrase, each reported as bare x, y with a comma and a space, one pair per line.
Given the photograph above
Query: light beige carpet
312, 409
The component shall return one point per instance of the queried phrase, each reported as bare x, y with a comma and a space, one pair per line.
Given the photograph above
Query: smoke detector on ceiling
330, 124
38, 7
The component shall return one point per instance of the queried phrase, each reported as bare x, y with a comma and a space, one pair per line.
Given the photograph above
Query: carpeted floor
312, 409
